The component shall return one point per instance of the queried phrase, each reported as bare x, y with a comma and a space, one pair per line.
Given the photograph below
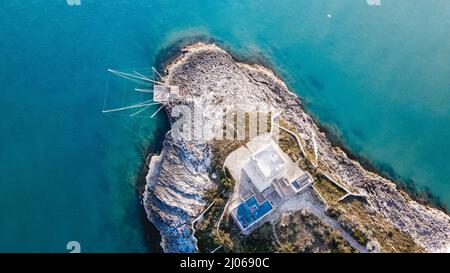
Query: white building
266, 178
268, 166
265, 166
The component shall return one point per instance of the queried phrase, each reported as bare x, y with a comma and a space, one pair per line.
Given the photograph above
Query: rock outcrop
179, 177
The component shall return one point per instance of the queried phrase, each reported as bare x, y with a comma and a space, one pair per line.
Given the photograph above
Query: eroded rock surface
178, 178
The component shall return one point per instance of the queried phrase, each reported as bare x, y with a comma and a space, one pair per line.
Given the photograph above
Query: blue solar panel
252, 201
296, 185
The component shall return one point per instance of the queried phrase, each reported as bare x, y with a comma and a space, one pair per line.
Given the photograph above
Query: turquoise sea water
380, 75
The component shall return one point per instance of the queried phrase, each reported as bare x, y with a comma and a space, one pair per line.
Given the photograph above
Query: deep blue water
379, 75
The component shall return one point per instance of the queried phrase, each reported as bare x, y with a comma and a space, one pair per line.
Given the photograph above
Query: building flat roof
269, 160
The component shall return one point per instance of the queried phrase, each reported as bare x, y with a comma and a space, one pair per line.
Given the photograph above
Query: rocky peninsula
353, 210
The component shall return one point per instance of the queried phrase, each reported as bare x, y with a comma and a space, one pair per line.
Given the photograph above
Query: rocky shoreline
179, 177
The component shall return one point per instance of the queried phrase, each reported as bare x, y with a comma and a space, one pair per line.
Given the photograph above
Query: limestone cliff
179, 177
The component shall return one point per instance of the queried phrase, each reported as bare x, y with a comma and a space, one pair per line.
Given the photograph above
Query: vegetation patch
306, 158
260, 241
366, 225
303, 232
329, 191
209, 235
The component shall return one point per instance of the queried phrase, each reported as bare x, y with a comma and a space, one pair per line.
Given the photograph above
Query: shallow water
379, 74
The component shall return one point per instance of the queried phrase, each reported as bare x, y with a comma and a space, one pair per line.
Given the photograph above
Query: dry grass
365, 224
304, 232
329, 191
